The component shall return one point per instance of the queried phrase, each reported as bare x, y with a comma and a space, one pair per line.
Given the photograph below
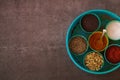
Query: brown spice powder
78, 45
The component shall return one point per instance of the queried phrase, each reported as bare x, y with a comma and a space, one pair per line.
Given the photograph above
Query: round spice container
113, 30
94, 61
78, 44
112, 54
96, 42
90, 22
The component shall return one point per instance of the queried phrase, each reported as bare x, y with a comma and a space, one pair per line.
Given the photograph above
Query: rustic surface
32, 39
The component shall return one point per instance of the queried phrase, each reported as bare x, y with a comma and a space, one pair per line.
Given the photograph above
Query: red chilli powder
113, 54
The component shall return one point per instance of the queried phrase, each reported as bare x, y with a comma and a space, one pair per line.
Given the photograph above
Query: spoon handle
103, 33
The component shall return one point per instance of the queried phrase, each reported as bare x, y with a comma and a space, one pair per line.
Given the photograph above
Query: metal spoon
103, 33
100, 41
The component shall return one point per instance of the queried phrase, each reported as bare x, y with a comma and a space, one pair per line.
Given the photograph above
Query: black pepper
89, 22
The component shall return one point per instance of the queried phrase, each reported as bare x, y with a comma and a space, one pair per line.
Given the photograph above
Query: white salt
113, 30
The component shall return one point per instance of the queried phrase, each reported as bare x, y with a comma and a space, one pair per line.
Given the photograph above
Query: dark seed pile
89, 23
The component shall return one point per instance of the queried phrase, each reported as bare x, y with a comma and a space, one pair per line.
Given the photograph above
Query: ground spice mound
95, 43
113, 54
78, 45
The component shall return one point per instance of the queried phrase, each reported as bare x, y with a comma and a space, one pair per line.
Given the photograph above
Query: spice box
86, 45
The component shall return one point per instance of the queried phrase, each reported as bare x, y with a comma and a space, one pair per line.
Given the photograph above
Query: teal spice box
78, 28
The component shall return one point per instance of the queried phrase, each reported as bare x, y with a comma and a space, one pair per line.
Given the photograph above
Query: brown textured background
32, 39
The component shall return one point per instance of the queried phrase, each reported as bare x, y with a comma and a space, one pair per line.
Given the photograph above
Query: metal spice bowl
76, 29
